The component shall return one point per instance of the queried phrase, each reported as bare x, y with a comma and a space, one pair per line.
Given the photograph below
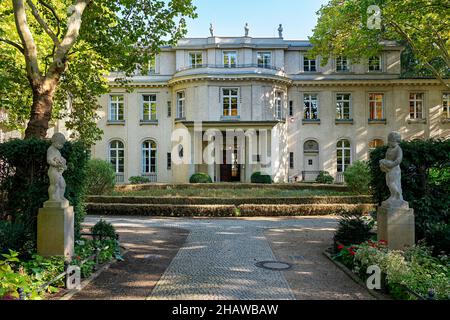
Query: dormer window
375, 64
309, 65
195, 59
264, 60
342, 64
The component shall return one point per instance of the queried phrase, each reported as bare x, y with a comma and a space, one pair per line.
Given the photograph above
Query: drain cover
273, 265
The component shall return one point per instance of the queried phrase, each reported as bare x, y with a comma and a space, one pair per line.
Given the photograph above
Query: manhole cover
273, 265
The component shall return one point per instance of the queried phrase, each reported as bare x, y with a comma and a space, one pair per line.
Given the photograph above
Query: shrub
258, 177
200, 178
15, 236
101, 177
425, 183
357, 177
139, 180
270, 210
353, 228
437, 235
104, 229
324, 177
24, 180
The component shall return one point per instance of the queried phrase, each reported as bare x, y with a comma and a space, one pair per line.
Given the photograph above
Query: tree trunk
41, 110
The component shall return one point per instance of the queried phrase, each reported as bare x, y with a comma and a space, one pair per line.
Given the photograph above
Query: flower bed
406, 274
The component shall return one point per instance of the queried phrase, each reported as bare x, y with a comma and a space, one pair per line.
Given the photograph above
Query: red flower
352, 253
340, 247
383, 242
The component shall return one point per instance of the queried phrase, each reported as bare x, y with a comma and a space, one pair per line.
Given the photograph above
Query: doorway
230, 169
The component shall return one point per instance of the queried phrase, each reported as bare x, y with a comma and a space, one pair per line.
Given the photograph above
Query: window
117, 156
446, 105
416, 105
310, 162
309, 65
375, 63
343, 155
116, 106
152, 65
264, 59
375, 143
376, 106
291, 108
148, 157
169, 161
341, 64
181, 104
149, 107
343, 106
229, 59
291, 160
311, 108
230, 98
169, 109
279, 105
195, 59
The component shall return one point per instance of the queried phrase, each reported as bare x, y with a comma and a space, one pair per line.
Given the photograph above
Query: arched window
344, 152
375, 143
117, 155
148, 157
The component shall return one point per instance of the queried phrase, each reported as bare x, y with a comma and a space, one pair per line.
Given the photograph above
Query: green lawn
233, 193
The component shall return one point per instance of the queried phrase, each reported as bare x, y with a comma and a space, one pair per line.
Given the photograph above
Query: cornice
234, 78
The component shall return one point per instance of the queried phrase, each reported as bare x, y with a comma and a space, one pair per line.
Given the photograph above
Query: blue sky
263, 16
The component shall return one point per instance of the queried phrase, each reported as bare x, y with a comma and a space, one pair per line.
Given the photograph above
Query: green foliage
357, 177
438, 235
139, 180
257, 177
200, 178
100, 177
353, 228
85, 249
24, 169
425, 183
324, 177
422, 25
104, 229
114, 35
14, 236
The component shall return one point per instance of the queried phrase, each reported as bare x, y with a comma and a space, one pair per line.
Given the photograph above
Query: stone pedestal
396, 226
55, 230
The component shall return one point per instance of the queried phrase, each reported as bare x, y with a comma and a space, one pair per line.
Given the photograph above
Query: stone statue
391, 166
57, 166
211, 29
280, 31
247, 29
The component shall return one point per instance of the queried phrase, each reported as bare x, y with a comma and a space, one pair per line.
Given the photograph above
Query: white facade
318, 118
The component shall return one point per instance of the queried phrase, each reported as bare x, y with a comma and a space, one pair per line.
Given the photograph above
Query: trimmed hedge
164, 210
200, 178
229, 201
24, 180
224, 210
324, 177
257, 177
303, 209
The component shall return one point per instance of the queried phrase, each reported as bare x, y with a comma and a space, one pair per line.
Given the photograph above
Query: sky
263, 16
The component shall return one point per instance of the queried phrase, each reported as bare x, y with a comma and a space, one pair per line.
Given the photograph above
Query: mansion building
318, 117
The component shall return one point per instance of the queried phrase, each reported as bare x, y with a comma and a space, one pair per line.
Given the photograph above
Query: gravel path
217, 261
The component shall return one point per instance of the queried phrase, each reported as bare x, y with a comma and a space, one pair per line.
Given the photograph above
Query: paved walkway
217, 261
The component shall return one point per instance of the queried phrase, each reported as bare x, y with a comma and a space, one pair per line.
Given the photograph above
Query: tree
348, 28
52, 51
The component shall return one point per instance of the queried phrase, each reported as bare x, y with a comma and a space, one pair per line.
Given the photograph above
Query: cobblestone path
217, 261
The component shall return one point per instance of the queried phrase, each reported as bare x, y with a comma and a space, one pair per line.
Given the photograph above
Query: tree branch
58, 20
43, 24
15, 45
27, 39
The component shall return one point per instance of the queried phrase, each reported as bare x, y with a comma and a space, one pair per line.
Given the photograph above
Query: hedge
249, 210
24, 181
229, 201
425, 183
258, 177
163, 210
223, 210
200, 178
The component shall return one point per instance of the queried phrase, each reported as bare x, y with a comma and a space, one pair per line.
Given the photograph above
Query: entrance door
230, 172
311, 166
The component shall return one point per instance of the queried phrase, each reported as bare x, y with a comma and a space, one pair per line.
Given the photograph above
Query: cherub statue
211, 29
246, 29
280, 31
57, 166
391, 166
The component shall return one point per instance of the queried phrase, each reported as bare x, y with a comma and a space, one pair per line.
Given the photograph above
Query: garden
420, 272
